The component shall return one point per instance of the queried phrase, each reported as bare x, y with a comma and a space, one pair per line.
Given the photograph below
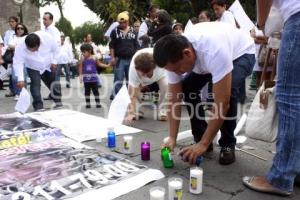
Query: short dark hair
13, 18
144, 62
218, 2
152, 7
169, 49
32, 40
163, 17
87, 47
50, 15
25, 29
194, 20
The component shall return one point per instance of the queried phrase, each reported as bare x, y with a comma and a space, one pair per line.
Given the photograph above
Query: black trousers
91, 87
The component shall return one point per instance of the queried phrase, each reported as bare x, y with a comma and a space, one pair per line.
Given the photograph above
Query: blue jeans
286, 163
35, 87
120, 71
14, 80
193, 83
67, 71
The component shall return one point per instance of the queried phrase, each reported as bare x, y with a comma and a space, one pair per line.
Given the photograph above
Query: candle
111, 138
157, 193
145, 151
127, 144
175, 188
196, 180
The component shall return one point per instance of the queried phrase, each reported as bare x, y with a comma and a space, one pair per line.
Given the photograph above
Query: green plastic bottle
167, 158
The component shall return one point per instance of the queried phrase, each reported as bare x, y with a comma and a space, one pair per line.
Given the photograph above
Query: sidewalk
220, 182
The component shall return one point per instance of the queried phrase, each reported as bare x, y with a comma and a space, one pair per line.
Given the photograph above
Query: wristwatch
262, 27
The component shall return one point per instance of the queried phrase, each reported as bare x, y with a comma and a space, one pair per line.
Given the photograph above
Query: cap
122, 17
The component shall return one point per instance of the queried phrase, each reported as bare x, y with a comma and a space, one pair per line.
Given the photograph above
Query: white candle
196, 180
175, 188
127, 147
157, 193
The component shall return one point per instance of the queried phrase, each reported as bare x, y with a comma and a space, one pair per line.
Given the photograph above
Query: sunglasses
20, 28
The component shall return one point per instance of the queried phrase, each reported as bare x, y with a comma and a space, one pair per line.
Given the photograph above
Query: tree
108, 10
95, 29
42, 3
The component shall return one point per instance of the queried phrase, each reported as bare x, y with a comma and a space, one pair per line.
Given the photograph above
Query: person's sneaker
58, 106
10, 94
16, 98
88, 106
227, 155
98, 106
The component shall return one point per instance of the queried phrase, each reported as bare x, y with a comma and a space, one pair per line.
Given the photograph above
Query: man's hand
190, 154
129, 119
20, 84
53, 67
171, 144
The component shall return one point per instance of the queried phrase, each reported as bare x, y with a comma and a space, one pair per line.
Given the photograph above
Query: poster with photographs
60, 168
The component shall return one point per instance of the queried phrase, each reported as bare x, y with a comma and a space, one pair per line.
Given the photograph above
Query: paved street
220, 182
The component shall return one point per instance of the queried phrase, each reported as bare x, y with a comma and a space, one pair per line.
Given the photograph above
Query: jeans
35, 87
286, 162
192, 85
14, 80
120, 71
67, 71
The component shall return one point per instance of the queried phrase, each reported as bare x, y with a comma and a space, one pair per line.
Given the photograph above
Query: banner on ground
60, 168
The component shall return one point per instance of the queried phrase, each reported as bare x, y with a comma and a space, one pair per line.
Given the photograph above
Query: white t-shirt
228, 17
287, 8
135, 80
216, 44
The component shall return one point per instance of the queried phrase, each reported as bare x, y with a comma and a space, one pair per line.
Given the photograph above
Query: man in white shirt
204, 53
285, 170
50, 27
144, 72
143, 37
64, 59
11, 31
38, 52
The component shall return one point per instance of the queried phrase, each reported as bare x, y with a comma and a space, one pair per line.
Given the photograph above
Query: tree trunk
59, 4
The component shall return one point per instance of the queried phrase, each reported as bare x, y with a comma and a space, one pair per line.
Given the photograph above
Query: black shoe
88, 106
297, 180
68, 86
227, 155
98, 106
111, 97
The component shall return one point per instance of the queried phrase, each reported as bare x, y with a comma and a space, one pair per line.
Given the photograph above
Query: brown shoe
260, 184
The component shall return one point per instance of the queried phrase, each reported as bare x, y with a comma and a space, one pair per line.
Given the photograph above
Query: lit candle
145, 151
127, 144
196, 180
175, 188
157, 193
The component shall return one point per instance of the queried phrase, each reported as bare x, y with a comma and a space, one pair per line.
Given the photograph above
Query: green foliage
65, 26
108, 10
95, 29
42, 3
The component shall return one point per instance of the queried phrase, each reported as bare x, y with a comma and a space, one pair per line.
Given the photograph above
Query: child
177, 28
88, 74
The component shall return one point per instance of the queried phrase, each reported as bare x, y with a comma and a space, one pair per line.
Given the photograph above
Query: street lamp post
20, 3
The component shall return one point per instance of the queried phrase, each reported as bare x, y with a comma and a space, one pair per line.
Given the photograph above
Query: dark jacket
124, 46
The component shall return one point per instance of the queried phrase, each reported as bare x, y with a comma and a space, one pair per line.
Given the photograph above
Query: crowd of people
181, 64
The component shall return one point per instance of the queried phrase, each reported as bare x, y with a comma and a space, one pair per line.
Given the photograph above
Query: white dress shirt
111, 28
65, 54
7, 35
1, 41
54, 32
39, 60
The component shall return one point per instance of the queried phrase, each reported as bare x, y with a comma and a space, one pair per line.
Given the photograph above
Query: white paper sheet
123, 187
80, 126
119, 105
188, 25
241, 17
3, 73
23, 102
